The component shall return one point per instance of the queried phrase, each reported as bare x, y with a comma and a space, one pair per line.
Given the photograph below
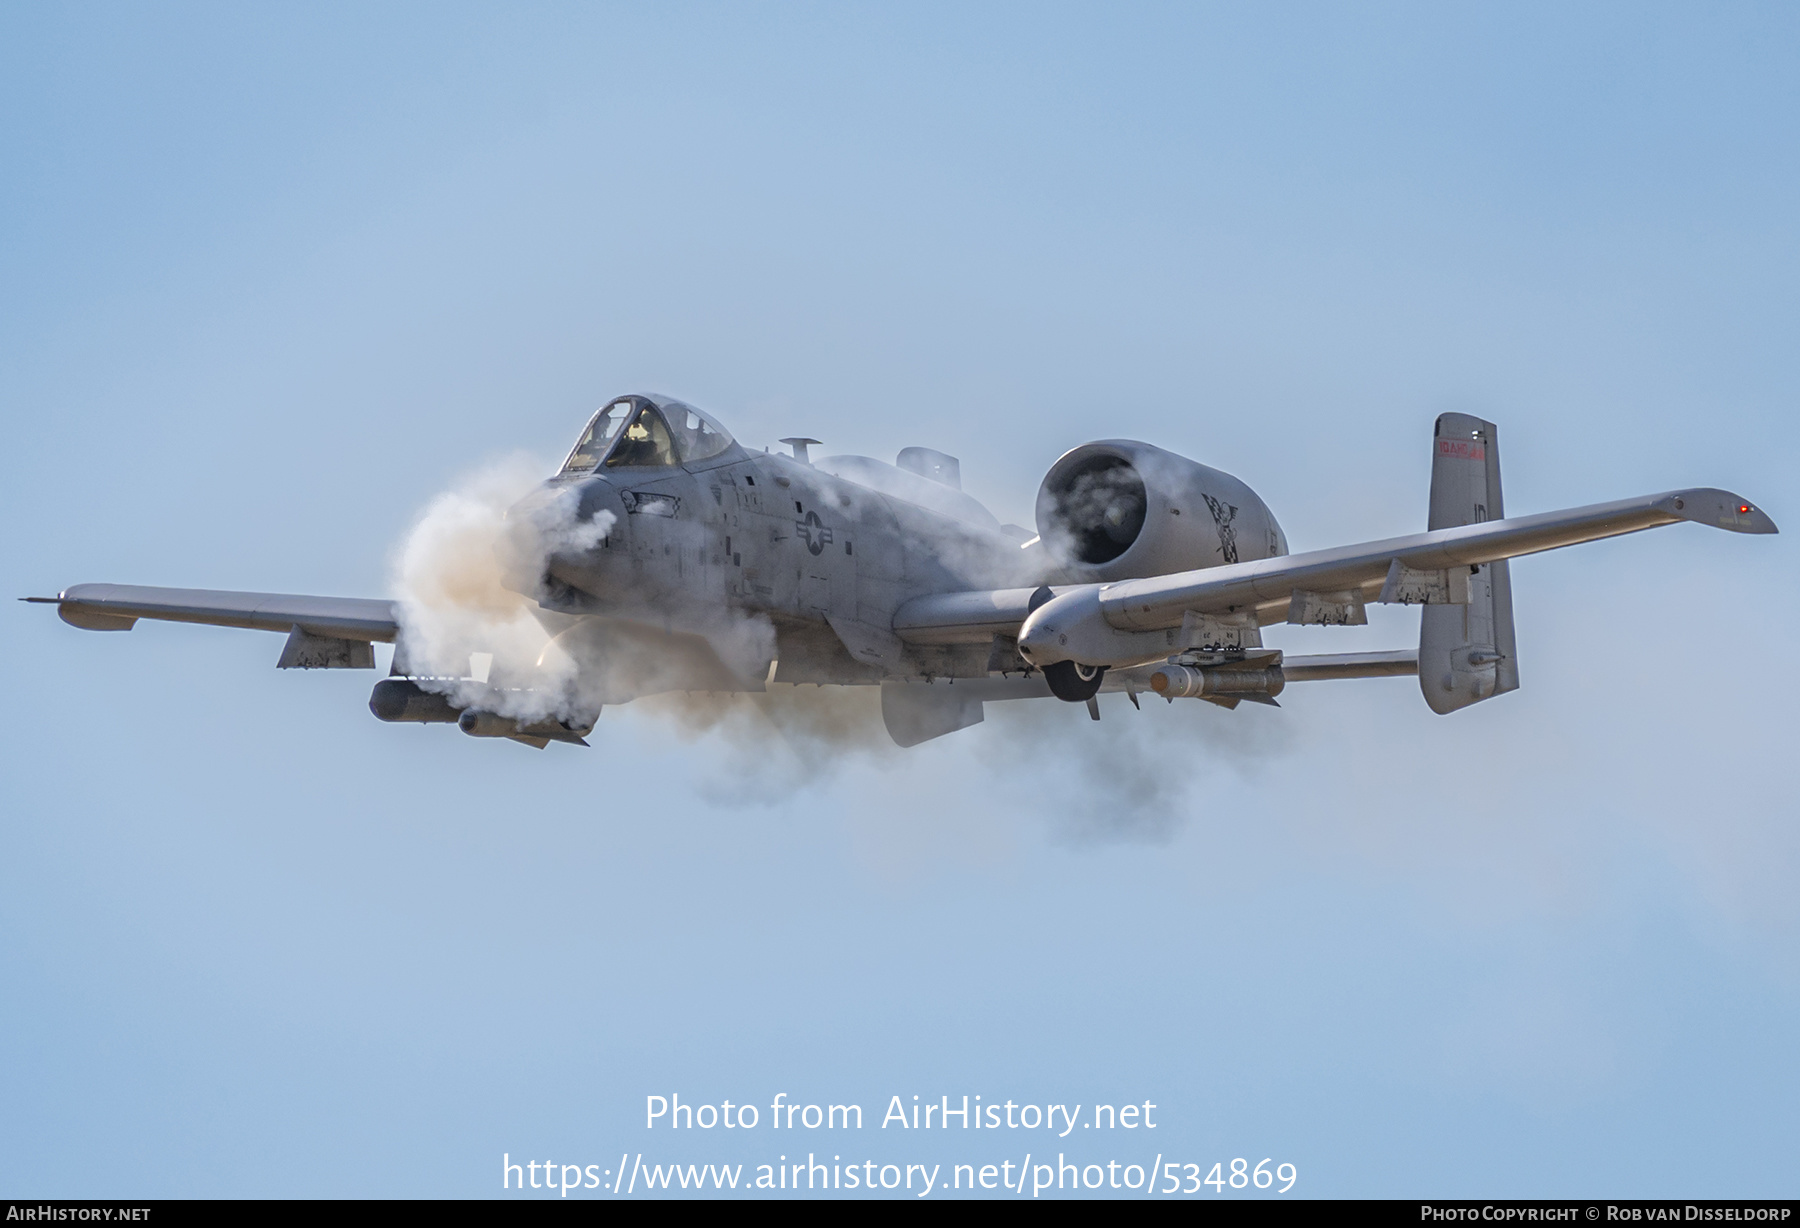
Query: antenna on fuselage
799, 446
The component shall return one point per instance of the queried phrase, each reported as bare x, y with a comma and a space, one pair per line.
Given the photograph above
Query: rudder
1467, 653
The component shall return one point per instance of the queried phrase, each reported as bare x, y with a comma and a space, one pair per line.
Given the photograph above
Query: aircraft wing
1267, 586
323, 632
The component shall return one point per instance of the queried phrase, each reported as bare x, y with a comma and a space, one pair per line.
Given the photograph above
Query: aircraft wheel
1072, 682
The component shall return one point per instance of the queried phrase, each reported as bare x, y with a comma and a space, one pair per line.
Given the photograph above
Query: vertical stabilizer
1466, 651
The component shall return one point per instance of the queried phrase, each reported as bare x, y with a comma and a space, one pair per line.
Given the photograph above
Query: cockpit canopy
642, 432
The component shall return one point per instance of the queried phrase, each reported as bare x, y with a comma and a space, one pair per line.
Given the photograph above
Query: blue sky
270, 279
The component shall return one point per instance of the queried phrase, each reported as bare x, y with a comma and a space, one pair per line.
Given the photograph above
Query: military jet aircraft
665, 556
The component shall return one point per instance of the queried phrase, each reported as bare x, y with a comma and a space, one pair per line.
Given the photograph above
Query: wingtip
1720, 509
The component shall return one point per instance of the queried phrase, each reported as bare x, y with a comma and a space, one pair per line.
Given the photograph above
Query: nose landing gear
1074, 682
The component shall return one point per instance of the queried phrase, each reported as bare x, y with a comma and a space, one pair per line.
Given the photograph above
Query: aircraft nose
556, 505
556, 519
539, 500
596, 495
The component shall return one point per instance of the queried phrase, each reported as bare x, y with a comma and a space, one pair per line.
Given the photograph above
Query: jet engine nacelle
1118, 508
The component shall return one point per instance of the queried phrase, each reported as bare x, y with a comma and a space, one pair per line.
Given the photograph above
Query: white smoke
467, 631
765, 746
1098, 782
449, 577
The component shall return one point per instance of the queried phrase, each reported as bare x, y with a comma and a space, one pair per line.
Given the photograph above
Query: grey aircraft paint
1148, 573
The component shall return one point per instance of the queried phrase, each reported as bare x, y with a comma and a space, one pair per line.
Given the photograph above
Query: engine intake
1099, 508
1119, 508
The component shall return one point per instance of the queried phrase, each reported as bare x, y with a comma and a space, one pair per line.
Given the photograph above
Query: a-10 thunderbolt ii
664, 556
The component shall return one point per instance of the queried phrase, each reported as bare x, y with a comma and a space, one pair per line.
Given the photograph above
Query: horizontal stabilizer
1327, 666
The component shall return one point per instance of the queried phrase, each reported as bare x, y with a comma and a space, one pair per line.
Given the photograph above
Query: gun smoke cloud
463, 631
469, 634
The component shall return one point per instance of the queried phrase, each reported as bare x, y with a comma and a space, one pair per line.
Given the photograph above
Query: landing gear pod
532, 733
402, 699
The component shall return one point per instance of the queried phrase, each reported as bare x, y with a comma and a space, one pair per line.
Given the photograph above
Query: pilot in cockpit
646, 442
654, 437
